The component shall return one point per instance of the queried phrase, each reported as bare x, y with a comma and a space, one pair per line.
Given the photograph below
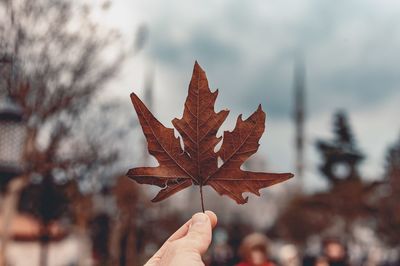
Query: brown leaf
197, 163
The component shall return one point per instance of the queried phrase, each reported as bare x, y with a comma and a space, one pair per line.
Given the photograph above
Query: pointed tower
148, 88
299, 113
148, 99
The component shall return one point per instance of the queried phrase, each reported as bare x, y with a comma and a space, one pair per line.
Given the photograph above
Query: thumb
199, 234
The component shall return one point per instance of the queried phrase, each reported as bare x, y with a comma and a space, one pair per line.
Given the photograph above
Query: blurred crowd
257, 250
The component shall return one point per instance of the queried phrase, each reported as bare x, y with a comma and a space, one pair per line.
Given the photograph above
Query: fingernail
199, 218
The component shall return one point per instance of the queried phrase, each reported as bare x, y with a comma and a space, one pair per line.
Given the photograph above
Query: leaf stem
201, 197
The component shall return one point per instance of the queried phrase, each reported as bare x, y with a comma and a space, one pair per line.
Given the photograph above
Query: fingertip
200, 217
213, 218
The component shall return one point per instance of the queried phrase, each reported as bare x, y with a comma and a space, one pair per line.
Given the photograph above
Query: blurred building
25, 247
299, 115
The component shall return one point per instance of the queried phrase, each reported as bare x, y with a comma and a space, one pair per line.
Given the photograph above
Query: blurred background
326, 73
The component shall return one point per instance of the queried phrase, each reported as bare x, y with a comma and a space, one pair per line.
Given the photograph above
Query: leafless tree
54, 60
59, 59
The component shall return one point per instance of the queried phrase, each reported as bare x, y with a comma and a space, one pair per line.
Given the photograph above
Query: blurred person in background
335, 252
222, 252
315, 261
254, 251
289, 256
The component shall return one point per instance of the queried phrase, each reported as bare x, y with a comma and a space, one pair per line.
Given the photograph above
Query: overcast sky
248, 49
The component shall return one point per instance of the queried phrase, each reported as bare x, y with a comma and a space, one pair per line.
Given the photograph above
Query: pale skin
188, 243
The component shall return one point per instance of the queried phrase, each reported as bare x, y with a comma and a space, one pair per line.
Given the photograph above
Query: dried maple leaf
197, 163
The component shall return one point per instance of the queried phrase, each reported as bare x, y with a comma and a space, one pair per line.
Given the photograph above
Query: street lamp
12, 140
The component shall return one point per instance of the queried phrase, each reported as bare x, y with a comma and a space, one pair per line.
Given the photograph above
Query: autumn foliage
197, 162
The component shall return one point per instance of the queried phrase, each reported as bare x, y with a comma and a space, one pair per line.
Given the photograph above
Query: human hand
188, 243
